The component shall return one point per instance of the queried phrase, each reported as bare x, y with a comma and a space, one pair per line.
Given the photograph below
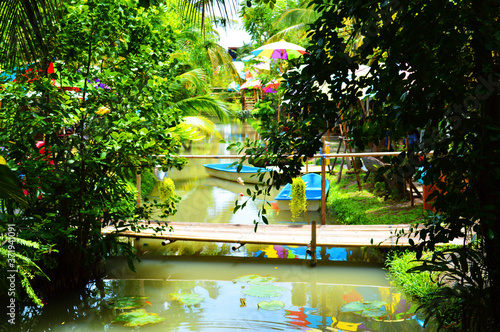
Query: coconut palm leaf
203, 125
198, 10
25, 28
295, 21
203, 105
219, 56
10, 186
193, 79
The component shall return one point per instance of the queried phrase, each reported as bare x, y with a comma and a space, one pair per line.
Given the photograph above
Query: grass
413, 286
367, 206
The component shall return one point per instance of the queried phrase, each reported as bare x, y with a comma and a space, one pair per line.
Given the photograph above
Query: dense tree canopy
111, 96
434, 67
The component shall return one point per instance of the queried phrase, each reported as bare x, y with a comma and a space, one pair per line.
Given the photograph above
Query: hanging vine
298, 203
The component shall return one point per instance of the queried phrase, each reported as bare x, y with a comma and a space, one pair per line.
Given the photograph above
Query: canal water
193, 286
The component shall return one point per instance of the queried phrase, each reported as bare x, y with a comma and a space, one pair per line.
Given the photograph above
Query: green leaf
369, 309
137, 317
256, 279
187, 298
264, 291
271, 306
10, 185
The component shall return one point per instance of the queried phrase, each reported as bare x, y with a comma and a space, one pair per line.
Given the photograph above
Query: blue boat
313, 192
248, 174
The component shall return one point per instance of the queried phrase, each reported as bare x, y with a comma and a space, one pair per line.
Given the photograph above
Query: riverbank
368, 206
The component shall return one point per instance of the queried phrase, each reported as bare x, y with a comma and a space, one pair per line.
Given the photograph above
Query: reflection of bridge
300, 235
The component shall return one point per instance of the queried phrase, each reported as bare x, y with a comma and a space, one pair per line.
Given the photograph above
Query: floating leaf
355, 306
374, 313
264, 280
246, 278
255, 279
137, 317
368, 309
187, 298
271, 306
264, 290
128, 302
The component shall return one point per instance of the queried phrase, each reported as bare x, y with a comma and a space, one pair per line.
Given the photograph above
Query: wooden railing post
138, 184
313, 243
323, 185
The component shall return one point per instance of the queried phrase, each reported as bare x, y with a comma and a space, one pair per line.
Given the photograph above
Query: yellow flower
102, 110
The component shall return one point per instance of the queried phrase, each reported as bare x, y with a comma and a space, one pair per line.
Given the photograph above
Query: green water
312, 298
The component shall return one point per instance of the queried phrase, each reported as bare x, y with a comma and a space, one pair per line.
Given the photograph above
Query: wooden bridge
300, 235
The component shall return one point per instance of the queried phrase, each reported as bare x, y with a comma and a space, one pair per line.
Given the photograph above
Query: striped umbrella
280, 50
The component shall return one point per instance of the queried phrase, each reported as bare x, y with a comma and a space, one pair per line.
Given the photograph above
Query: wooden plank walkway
300, 235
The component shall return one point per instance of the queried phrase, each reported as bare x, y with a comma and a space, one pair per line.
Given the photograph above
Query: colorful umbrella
251, 84
271, 87
280, 50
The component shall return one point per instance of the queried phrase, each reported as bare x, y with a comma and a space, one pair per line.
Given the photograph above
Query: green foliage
298, 202
263, 112
264, 291
464, 298
449, 91
10, 185
167, 196
13, 258
167, 189
416, 287
137, 317
76, 152
187, 298
271, 306
256, 279
148, 182
367, 309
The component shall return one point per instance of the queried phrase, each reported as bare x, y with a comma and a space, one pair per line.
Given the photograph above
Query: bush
414, 286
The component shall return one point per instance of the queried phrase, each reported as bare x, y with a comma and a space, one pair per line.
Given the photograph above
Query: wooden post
323, 185
138, 179
313, 243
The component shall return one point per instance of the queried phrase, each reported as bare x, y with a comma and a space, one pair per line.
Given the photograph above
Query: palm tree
294, 22
24, 26
190, 95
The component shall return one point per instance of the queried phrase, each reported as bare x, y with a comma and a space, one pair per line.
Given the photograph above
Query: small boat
313, 192
247, 174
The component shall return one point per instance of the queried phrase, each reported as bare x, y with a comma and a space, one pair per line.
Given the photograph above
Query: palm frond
10, 185
299, 30
193, 79
203, 105
23, 242
25, 28
198, 11
220, 57
203, 125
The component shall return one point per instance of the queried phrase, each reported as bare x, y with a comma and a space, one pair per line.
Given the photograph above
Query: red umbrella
271, 87
251, 84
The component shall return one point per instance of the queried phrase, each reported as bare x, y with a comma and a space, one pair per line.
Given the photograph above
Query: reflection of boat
159, 173
313, 192
227, 171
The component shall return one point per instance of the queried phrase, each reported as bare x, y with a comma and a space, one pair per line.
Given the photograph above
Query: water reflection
312, 299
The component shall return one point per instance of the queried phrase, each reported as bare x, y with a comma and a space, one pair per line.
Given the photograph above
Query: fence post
313, 243
138, 180
323, 185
